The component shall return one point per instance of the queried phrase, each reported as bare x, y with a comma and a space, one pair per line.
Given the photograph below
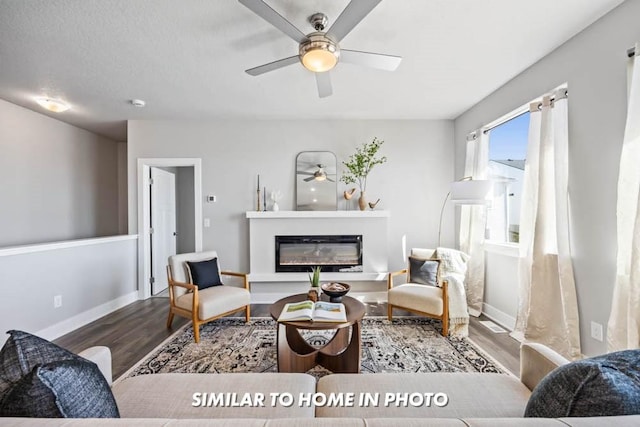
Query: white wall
593, 64
59, 182
412, 184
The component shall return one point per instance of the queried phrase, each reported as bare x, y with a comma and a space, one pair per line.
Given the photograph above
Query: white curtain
473, 221
623, 329
547, 307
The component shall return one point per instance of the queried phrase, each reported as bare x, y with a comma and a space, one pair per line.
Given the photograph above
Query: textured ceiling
187, 58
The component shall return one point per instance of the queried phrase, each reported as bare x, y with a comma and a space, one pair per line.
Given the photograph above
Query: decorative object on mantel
335, 290
258, 191
314, 280
348, 194
316, 175
360, 164
264, 199
372, 205
275, 196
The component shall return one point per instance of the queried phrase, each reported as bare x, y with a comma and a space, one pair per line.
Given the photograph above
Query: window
507, 154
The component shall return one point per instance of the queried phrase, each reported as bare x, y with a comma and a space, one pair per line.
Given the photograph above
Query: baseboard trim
499, 317
86, 317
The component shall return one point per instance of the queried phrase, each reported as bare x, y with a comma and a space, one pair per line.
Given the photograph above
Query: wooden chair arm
236, 274
233, 273
394, 274
189, 286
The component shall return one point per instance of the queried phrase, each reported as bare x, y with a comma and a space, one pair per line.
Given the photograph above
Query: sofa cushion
606, 385
205, 274
469, 395
171, 395
424, 271
22, 352
63, 389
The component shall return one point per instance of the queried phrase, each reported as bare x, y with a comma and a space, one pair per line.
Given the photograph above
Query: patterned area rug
409, 344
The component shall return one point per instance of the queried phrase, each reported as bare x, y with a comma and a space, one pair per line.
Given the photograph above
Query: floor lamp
466, 191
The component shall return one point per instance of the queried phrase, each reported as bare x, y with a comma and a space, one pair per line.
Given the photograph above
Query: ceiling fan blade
264, 11
324, 84
311, 178
355, 11
330, 180
374, 60
280, 63
305, 173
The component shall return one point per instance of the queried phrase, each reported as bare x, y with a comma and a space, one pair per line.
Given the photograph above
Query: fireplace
332, 253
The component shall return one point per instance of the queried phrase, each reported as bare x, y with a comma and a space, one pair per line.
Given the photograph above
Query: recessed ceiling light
138, 103
55, 105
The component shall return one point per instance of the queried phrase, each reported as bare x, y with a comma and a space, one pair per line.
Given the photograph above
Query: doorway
169, 217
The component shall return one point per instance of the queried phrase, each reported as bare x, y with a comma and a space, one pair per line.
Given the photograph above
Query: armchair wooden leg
445, 326
247, 313
196, 332
170, 319
389, 312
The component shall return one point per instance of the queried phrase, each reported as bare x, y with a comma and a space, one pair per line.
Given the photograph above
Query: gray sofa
473, 399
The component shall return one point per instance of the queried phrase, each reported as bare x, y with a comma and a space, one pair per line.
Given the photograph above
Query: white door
163, 226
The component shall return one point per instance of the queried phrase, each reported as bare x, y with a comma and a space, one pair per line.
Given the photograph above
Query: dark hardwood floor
135, 330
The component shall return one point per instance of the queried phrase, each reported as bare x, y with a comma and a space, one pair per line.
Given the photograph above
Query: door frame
144, 209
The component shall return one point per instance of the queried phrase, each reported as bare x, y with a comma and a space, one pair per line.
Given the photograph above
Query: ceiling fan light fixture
319, 54
54, 105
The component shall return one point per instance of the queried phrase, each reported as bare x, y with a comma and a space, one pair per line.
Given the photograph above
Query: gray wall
593, 64
90, 278
185, 206
59, 182
412, 184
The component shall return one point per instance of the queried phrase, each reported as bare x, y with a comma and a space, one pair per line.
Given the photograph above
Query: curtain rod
631, 52
515, 115
507, 119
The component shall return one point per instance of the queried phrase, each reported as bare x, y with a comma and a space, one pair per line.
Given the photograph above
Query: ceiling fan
319, 51
318, 175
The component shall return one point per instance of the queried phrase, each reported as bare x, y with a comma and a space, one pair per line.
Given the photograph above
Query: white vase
275, 207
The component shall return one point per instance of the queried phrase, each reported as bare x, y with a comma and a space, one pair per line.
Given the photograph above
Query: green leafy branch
360, 164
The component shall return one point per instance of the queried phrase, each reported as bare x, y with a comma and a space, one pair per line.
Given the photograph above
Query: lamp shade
472, 192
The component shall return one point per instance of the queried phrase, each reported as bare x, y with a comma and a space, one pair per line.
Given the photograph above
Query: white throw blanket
453, 268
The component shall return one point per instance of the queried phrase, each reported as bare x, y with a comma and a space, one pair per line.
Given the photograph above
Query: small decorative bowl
335, 290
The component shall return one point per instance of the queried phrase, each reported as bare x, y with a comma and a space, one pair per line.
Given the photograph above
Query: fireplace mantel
317, 214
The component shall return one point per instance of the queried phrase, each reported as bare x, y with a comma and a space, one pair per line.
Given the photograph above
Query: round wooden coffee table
340, 354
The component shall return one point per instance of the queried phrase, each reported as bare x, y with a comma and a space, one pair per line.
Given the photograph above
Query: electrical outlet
207, 222
596, 331
57, 301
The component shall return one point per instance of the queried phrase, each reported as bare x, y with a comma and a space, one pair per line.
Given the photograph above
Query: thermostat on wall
211, 199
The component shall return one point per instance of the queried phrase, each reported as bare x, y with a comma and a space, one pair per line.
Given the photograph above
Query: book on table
320, 311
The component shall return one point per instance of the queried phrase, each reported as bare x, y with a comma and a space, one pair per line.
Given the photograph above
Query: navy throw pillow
607, 385
65, 389
205, 274
424, 271
41, 379
22, 352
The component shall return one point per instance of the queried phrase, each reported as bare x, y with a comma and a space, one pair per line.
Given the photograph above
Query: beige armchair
203, 305
430, 301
